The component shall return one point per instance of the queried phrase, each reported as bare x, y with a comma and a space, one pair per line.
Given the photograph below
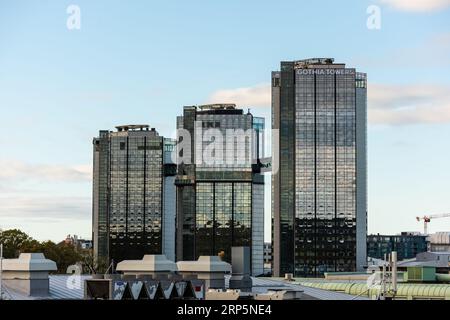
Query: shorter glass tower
320, 190
407, 245
131, 212
220, 191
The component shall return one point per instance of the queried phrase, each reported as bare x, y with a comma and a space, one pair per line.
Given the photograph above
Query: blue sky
142, 61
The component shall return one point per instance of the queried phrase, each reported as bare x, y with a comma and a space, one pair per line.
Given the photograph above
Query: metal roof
62, 287
67, 287
404, 290
127, 127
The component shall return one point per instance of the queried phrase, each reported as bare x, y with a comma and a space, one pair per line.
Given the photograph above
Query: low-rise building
78, 242
133, 194
267, 258
267, 252
439, 242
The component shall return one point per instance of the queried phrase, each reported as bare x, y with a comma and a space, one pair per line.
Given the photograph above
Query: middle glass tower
220, 190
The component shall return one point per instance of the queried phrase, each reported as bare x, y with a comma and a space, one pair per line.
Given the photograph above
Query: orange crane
427, 219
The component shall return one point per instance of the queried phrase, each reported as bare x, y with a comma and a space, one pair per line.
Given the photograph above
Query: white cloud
432, 52
255, 96
418, 5
408, 104
45, 200
13, 169
45, 207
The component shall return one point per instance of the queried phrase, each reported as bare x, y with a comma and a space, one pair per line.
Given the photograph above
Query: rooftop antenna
111, 266
394, 272
389, 278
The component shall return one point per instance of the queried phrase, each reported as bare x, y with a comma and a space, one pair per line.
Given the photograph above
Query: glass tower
319, 192
220, 203
131, 167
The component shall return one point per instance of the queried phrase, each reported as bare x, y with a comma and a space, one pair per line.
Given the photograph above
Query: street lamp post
1, 264
1, 271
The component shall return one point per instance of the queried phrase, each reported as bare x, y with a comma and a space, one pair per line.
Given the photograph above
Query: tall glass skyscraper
133, 194
220, 191
319, 205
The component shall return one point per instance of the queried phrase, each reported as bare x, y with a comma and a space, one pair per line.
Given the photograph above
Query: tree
16, 242
93, 265
13, 240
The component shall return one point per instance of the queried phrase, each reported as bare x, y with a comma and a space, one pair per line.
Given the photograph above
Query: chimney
151, 264
28, 274
210, 269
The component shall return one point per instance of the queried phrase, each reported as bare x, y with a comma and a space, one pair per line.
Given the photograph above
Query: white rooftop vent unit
28, 274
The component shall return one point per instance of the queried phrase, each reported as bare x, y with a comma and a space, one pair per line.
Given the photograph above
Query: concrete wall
35, 287
169, 214
257, 229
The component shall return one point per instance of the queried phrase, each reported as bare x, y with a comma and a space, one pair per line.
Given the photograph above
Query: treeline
64, 254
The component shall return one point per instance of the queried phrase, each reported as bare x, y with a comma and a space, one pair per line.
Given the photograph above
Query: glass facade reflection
220, 204
315, 205
406, 244
223, 217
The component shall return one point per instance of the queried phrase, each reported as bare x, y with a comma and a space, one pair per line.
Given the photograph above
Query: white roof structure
29, 262
62, 287
204, 264
150, 263
69, 287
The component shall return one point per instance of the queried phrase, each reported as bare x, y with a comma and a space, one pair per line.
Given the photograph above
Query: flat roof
60, 290
132, 127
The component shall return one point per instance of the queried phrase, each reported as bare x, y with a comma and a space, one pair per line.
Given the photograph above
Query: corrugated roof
67, 287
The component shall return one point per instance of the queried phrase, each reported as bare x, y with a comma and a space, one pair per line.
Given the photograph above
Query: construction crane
427, 219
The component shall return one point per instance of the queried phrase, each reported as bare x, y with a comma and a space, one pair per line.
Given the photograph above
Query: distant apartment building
267, 258
133, 194
319, 187
78, 242
85, 244
439, 242
438, 262
267, 253
220, 190
407, 245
